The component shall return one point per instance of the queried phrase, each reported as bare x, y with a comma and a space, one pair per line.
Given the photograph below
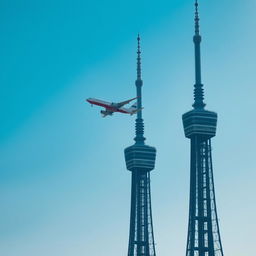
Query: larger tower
140, 160
200, 126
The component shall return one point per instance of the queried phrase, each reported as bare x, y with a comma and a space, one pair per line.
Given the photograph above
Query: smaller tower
140, 160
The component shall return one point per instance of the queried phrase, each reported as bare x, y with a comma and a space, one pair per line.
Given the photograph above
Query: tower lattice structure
200, 126
140, 160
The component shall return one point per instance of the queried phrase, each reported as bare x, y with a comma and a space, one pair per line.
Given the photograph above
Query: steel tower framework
200, 126
140, 160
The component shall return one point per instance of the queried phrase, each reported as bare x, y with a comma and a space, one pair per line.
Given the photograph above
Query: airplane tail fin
134, 106
133, 109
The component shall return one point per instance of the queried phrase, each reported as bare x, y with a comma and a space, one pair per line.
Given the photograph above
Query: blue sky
64, 188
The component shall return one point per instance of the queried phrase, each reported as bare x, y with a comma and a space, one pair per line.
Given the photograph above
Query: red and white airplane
110, 108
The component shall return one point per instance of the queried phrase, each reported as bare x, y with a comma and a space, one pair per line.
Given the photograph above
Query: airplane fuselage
108, 105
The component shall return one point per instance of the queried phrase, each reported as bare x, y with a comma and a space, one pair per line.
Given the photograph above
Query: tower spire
198, 87
139, 138
138, 59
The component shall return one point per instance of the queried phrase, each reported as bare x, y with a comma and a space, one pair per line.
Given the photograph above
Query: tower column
140, 160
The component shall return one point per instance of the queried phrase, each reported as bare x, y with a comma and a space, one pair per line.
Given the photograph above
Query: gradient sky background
64, 188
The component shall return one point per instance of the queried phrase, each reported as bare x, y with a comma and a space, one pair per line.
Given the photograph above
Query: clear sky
64, 188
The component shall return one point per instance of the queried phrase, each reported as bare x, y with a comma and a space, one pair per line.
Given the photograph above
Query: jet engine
104, 112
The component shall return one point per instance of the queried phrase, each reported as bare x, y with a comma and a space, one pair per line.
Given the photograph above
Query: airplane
110, 108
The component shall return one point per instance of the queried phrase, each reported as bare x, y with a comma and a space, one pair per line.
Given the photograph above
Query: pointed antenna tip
196, 5
138, 39
196, 18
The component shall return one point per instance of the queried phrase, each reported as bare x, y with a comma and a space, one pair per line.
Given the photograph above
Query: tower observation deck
200, 126
140, 160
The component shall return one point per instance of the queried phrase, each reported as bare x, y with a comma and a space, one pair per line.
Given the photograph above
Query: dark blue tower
200, 126
140, 160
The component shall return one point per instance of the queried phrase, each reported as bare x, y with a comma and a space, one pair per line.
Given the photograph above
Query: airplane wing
120, 104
